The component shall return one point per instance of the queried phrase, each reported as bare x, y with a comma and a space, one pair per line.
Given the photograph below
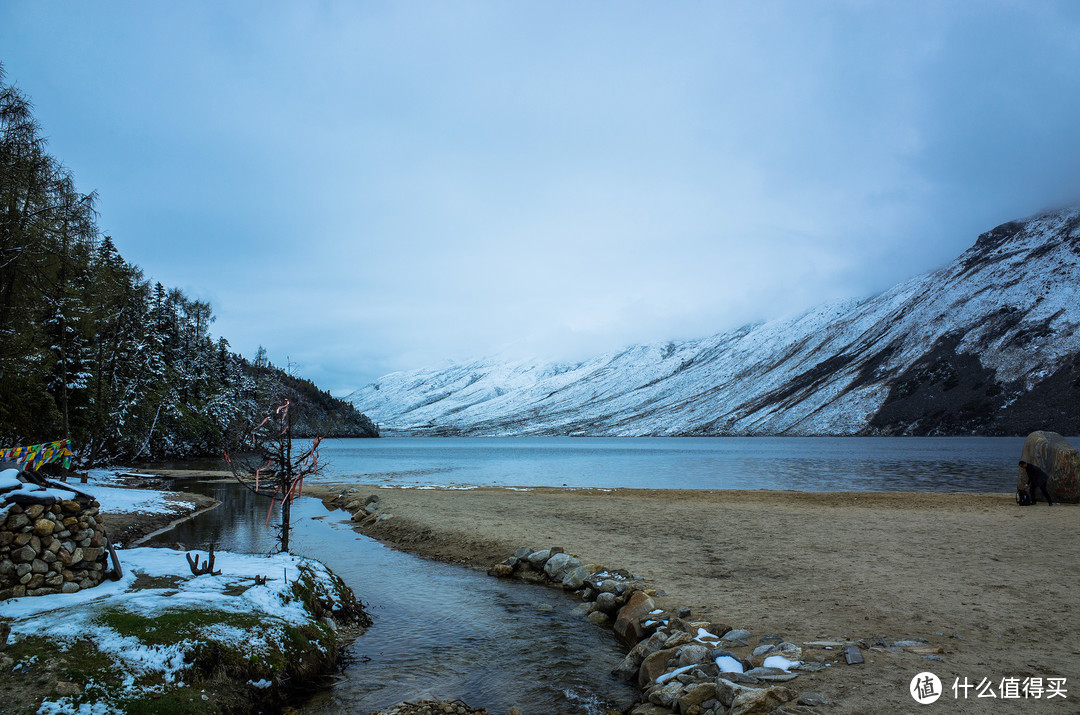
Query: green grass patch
173, 626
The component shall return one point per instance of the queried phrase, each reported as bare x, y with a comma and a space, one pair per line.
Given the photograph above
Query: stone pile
433, 707
365, 511
50, 538
680, 665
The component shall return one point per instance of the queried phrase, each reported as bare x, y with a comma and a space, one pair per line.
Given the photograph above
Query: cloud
375, 187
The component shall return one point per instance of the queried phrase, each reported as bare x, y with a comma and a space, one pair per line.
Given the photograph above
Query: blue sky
368, 187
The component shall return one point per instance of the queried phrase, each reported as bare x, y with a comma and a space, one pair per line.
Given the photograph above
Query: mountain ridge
987, 344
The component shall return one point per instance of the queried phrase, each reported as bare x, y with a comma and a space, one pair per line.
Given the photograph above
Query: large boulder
1060, 460
628, 627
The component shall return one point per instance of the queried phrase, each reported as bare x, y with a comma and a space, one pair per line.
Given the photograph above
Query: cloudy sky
370, 187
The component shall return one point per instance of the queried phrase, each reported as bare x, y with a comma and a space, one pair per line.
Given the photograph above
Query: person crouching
1036, 478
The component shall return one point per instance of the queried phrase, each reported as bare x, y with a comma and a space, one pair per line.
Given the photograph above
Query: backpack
1023, 498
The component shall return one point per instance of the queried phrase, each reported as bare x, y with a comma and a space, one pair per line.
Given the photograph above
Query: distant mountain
989, 344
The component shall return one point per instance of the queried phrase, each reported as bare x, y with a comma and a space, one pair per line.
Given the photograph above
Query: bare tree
266, 465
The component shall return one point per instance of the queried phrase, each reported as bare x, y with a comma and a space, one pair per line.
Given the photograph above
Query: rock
697, 695
853, 655
666, 695
812, 699
692, 655
649, 709
15, 522
677, 639
538, 558
599, 618
54, 580
574, 579
627, 669
70, 506
36, 581
653, 667
523, 553
39, 566
558, 565
760, 701
383, 517
764, 649
607, 602
727, 691
77, 556
34, 511
610, 585
809, 667
372, 499
924, 650
24, 555
371, 509
69, 587
737, 634
627, 626
501, 571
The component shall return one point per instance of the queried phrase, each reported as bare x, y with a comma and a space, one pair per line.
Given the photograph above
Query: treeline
91, 350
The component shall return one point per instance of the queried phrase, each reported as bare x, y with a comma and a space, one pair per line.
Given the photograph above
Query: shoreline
957, 569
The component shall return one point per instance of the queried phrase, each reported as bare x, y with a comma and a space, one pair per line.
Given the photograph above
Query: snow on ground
104, 485
88, 614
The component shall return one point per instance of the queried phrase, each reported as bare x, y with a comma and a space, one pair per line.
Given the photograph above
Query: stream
440, 631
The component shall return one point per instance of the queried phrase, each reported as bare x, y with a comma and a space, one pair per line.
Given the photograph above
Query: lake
967, 464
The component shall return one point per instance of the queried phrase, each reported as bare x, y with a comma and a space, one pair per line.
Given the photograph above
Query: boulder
538, 558
599, 618
760, 701
574, 579
557, 566
628, 627
727, 691
696, 695
692, 655
666, 695
653, 666
501, 571
607, 602
1060, 460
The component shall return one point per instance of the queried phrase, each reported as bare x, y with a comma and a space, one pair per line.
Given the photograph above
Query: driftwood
207, 568
260, 580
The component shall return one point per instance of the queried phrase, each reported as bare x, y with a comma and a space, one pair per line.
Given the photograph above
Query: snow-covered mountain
988, 344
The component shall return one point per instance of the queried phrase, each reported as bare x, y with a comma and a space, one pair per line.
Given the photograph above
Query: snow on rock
1000, 323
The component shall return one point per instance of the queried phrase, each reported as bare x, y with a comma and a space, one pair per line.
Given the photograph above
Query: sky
367, 187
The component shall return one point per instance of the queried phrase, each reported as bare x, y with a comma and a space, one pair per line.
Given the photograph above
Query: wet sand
992, 584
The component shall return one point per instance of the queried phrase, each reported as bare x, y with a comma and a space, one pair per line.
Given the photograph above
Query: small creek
439, 630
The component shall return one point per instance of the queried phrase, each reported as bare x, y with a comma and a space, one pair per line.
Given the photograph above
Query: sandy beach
992, 584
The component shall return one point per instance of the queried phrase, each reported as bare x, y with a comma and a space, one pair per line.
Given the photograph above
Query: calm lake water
970, 464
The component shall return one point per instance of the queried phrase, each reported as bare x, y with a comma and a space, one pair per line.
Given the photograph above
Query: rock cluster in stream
433, 707
680, 665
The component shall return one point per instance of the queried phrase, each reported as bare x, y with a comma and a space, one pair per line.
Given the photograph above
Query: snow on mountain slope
988, 344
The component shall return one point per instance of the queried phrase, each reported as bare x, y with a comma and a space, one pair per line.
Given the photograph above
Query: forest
93, 350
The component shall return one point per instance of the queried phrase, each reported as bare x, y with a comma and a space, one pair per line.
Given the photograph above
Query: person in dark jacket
1036, 478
